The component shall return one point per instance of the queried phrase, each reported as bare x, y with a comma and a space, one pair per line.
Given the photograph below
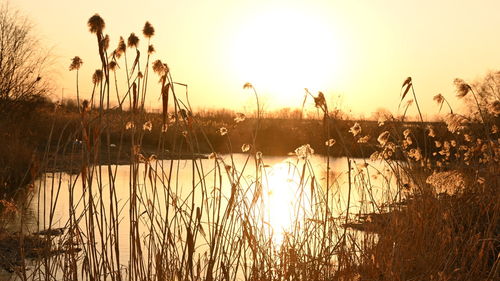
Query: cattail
151, 49
76, 63
462, 87
96, 24
97, 76
148, 30
133, 41
121, 49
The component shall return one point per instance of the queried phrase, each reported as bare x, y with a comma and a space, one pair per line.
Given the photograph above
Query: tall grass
437, 218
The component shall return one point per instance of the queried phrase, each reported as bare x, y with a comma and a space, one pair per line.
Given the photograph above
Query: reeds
143, 220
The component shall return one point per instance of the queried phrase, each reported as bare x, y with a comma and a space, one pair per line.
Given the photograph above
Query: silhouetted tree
22, 60
487, 92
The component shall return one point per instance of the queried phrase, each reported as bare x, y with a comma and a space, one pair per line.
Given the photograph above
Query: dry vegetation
439, 221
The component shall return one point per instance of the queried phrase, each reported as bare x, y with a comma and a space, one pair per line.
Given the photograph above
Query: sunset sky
360, 50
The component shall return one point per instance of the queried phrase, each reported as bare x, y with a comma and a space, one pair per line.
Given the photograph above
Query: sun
282, 52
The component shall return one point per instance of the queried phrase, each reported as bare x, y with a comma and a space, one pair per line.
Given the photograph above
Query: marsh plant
437, 217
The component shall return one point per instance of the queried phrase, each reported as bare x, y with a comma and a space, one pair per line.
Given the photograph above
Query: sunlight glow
283, 52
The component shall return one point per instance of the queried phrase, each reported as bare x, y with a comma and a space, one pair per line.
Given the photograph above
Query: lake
172, 197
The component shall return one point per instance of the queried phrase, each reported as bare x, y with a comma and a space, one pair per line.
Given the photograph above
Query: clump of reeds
217, 227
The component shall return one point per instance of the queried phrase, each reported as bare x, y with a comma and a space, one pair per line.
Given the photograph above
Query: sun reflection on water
285, 200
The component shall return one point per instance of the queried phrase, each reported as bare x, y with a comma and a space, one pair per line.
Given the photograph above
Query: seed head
319, 101
438, 98
406, 133
494, 108
364, 139
455, 122
148, 126
467, 137
449, 182
258, 155
76, 63
431, 133
148, 30
105, 42
160, 68
240, 117
248, 85
383, 138
245, 147
462, 87
121, 49
97, 76
304, 151
96, 24
129, 125
330, 142
415, 154
132, 41
494, 129
356, 129
112, 65
223, 131
151, 49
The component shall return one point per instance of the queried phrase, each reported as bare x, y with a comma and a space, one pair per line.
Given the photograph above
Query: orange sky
361, 50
